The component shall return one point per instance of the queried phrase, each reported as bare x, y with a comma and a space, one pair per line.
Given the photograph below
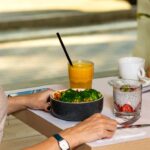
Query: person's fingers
105, 120
48, 99
104, 125
108, 121
94, 117
94, 127
47, 107
106, 134
101, 119
98, 116
110, 127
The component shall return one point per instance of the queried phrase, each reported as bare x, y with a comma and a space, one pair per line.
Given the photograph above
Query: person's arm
3, 111
34, 101
94, 128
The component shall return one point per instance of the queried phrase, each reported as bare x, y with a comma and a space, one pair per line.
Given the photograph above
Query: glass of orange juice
81, 74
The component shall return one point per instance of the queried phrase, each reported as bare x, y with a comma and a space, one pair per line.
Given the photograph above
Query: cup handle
141, 73
142, 77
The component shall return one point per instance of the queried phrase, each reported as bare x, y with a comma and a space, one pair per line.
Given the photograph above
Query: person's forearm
49, 144
16, 103
52, 144
33, 101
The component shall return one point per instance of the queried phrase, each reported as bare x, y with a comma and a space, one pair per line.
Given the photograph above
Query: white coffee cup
131, 68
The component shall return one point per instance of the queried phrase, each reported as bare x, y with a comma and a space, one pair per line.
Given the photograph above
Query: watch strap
59, 139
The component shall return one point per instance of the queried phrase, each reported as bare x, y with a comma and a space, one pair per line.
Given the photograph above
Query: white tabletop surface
101, 84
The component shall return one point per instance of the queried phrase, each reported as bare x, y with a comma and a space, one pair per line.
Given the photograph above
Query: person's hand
95, 127
33, 101
38, 100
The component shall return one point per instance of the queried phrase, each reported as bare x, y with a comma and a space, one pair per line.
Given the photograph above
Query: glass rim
82, 60
120, 82
128, 60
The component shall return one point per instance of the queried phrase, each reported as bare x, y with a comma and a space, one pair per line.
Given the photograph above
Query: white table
131, 139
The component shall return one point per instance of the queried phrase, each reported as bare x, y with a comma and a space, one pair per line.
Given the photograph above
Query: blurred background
99, 30
30, 53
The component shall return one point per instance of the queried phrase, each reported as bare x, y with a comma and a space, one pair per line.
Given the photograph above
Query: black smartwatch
63, 144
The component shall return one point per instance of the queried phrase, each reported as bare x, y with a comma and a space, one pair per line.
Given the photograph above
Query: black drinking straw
64, 48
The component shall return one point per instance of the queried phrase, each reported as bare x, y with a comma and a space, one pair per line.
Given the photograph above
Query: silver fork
134, 126
130, 121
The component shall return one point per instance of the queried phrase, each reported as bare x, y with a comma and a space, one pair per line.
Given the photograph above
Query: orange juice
81, 74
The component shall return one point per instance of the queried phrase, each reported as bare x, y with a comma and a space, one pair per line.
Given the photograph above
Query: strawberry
127, 108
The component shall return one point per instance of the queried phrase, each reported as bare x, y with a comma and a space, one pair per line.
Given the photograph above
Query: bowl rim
75, 103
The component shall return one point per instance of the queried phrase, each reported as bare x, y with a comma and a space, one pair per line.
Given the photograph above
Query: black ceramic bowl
75, 111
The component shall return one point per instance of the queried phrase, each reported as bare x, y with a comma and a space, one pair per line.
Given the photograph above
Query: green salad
77, 96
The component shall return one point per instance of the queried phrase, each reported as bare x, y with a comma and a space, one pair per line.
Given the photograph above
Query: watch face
64, 145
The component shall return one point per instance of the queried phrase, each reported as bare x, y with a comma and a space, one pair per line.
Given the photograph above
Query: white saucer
146, 85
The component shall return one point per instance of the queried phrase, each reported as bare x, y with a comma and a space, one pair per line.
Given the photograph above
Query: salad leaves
76, 96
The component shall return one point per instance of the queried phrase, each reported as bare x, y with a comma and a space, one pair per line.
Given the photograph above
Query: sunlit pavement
25, 61
78, 5
16, 14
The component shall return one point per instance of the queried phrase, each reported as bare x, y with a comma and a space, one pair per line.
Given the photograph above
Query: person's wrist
25, 102
63, 143
72, 137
